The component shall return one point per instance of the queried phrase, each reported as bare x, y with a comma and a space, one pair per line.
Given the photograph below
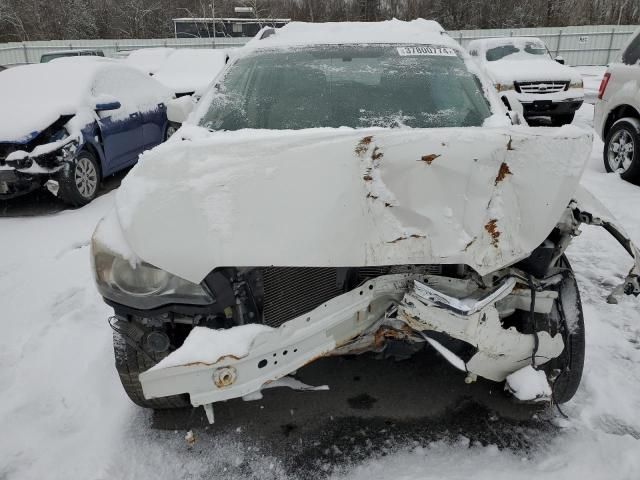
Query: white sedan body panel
484, 197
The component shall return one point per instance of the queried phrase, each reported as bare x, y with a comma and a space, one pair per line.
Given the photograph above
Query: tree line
22, 20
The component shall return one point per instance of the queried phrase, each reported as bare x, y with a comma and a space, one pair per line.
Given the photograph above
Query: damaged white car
343, 187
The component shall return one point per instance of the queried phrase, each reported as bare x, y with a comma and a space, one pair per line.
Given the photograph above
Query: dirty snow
65, 416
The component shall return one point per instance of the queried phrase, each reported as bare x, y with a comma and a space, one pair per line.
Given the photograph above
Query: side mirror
107, 106
178, 109
559, 59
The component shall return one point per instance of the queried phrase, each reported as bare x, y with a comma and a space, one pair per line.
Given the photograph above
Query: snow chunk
528, 384
204, 345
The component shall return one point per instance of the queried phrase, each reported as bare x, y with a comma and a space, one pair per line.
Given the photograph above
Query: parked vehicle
148, 60
2, 68
47, 57
617, 113
189, 71
546, 88
270, 235
71, 122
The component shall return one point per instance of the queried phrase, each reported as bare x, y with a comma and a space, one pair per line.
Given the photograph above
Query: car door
121, 129
150, 98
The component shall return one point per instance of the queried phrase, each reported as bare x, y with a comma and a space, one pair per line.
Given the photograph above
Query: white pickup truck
523, 66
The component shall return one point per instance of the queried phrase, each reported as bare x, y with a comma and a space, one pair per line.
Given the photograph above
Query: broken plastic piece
208, 409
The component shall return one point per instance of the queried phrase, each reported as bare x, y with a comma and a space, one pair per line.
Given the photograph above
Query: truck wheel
130, 363
79, 180
559, 120
622, 149
570, 363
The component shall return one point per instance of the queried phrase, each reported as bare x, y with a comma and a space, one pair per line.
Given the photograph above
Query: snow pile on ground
64, 414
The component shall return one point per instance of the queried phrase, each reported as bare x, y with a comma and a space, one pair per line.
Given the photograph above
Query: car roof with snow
38, 94
486, 43
191, 69
418, 32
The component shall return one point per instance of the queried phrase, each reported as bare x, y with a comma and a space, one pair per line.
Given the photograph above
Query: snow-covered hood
485, 197
507, 71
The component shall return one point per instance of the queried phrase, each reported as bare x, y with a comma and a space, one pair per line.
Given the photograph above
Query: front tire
622, 150
130, 363
570, 364
79, 180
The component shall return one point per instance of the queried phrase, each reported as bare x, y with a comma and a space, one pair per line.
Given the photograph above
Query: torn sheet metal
500, 351
592, 212
484, 197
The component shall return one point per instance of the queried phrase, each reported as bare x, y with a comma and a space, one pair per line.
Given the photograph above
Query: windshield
518, 50
353, 86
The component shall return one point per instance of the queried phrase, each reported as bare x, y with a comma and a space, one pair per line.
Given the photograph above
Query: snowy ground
64, 416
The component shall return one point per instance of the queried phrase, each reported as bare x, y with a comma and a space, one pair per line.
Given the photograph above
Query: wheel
622, 148
79, 180
130, 363
170, 130
559, 120
570, 322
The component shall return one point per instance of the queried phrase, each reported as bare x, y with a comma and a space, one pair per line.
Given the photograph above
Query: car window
519, 50
334, 86
631, 55
133, 89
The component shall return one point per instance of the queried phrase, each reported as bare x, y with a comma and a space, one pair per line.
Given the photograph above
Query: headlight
502, 87
139, 284
576, 84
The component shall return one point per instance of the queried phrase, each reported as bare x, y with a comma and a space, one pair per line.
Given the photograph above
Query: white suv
617, 113
523, 67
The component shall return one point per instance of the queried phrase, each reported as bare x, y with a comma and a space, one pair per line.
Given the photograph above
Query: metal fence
30, 52
587, 45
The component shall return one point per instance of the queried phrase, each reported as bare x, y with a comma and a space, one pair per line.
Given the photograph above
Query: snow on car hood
485, 197
505, 71
35, 96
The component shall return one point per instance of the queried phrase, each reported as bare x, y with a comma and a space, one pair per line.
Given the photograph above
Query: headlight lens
143, 280
503, 87
140, 285
576, 84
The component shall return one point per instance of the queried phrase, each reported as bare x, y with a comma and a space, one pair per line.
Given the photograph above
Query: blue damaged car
69, 123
